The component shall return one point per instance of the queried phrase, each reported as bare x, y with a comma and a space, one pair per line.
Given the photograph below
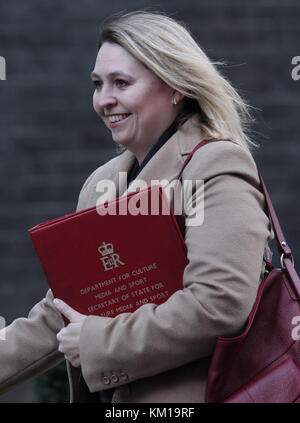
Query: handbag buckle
289, 256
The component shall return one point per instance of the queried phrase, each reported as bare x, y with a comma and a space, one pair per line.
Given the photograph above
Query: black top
136, 168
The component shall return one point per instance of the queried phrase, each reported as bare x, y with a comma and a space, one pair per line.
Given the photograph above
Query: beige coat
161, 353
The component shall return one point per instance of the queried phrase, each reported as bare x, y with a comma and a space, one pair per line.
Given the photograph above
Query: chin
122, 141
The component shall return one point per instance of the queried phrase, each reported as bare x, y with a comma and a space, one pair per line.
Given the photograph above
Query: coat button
106, 380
114, 378
123, 376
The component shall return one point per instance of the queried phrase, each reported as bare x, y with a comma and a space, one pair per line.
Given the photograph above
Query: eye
121, 83
96, 83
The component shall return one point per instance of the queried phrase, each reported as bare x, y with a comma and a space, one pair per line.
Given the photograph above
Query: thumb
72, 315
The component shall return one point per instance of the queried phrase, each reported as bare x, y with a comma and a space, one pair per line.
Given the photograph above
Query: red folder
114, 258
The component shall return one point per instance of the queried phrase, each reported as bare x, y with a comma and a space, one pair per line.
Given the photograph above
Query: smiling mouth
116, 121
117, 118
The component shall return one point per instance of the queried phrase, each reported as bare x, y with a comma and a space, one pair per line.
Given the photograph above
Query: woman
160, 96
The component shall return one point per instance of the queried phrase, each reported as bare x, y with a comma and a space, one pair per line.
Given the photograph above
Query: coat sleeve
30, 345
220, 282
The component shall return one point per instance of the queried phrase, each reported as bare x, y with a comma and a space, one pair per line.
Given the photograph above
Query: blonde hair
167, 48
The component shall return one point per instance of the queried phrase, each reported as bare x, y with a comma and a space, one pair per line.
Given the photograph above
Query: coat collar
166, 163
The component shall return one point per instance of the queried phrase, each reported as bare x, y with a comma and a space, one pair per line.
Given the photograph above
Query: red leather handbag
262, 363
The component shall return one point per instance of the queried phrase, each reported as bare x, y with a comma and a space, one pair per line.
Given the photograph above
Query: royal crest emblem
109, 258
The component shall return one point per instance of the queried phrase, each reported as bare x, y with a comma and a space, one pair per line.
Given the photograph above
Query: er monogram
110, 260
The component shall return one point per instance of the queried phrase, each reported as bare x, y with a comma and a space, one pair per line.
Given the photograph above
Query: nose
103, 100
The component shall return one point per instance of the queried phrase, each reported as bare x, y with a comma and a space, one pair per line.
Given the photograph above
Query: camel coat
162, 353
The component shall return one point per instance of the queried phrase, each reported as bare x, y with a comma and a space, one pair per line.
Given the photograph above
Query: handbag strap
286, 258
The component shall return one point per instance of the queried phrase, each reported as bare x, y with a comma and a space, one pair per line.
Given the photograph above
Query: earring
174, 101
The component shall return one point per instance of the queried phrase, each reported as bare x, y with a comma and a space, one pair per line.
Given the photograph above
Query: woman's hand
69, 336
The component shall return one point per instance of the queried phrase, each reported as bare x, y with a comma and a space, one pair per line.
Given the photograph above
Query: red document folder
110, 259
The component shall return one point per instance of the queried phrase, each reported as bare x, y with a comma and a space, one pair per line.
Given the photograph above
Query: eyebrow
112, 74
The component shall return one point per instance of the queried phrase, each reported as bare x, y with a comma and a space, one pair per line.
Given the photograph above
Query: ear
177, 97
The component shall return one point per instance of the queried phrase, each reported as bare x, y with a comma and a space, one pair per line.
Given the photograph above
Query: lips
117, 119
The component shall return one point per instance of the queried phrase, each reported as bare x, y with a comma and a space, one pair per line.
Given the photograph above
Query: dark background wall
51, 139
